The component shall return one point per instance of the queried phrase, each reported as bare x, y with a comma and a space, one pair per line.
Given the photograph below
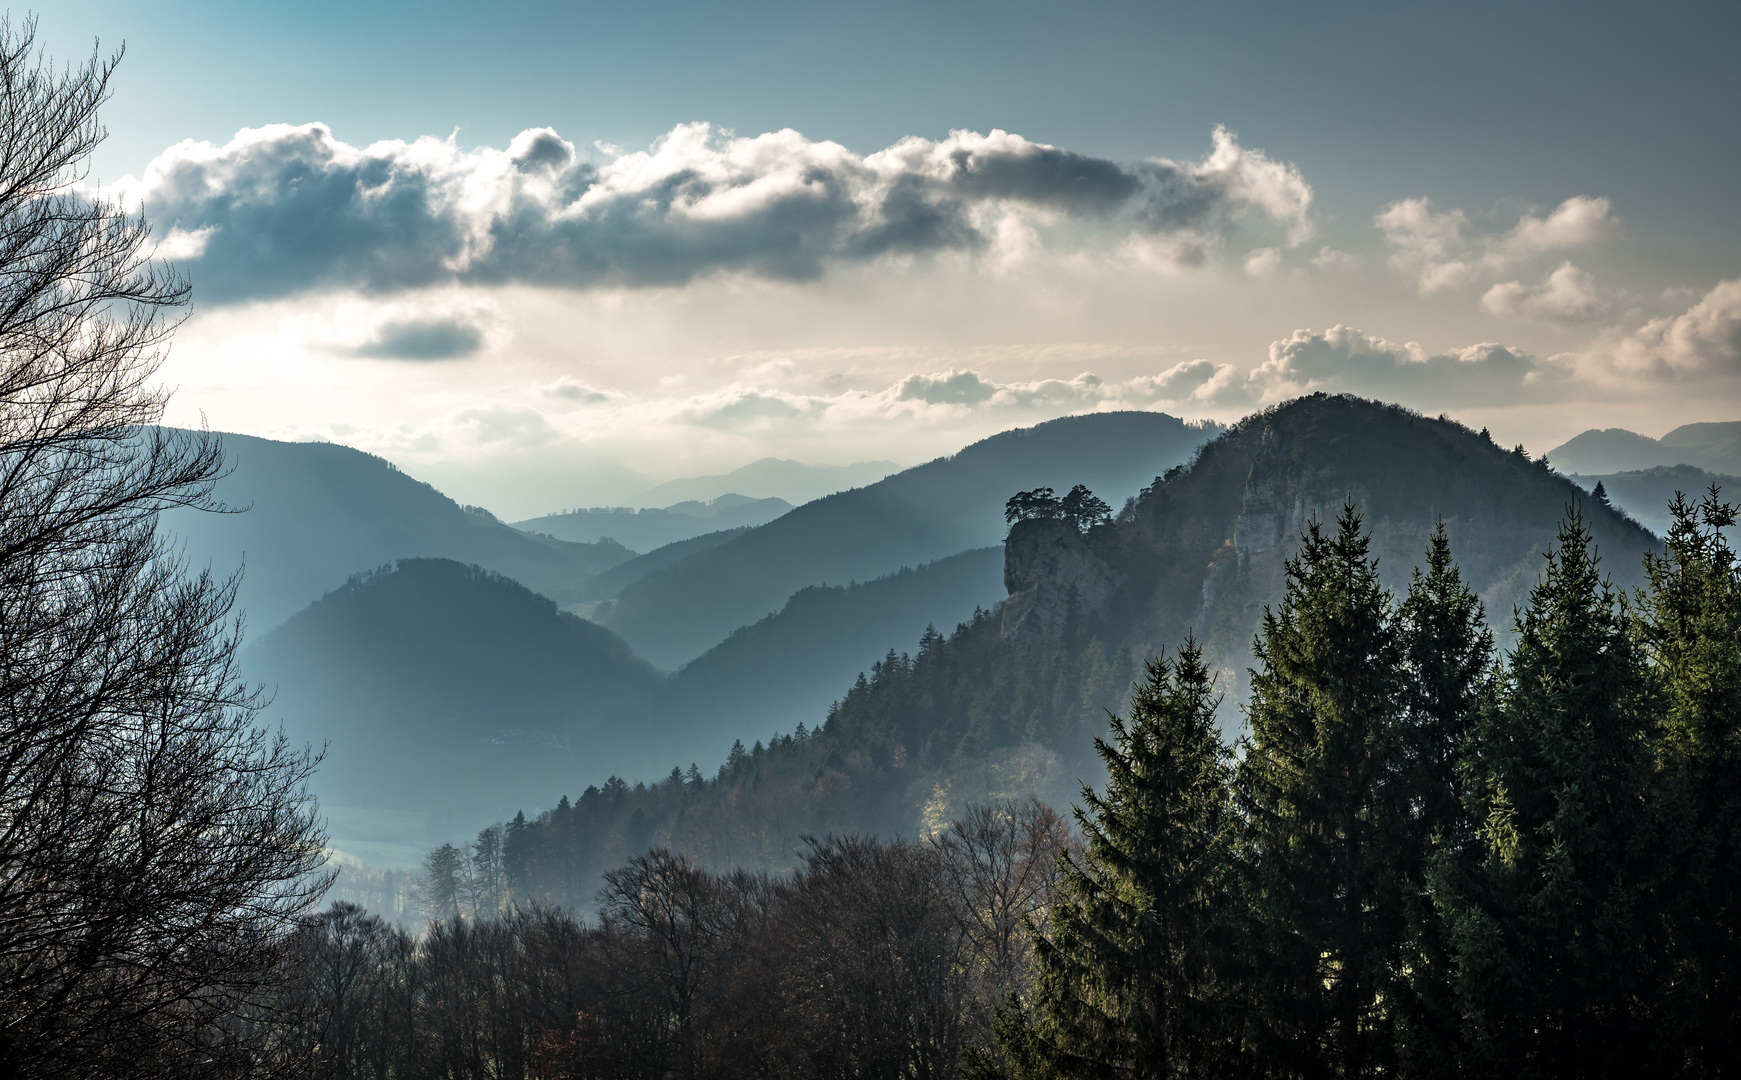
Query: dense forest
1425, 857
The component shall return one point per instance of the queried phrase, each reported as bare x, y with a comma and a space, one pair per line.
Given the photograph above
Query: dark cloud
280, 210
444, 339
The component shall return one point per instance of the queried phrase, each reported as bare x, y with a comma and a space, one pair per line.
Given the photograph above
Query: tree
1689, 625
1028, 505
445, 882
1549, 926
1316, 789
1130, 980
1447, 654
1083, 509
157, 846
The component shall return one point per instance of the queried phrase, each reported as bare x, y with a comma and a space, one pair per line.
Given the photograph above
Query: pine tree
1690, 626
1546, 925
1129, 981
1317, 790
1448, 655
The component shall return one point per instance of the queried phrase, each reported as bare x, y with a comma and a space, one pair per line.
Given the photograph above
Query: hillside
1598, 452
1646, 493
316, 513
606, 584
787, 668
1010, 702
444, 692
929, 512
771, 478
645, 530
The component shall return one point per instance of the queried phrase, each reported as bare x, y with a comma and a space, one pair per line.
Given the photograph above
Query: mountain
1713, 446
316, 513
771, 478
1645, 493
1010, 702
929, 512
608, 583
644, 530
786, 669
444, 692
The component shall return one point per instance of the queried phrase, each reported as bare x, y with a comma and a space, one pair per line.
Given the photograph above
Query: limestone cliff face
1048, 568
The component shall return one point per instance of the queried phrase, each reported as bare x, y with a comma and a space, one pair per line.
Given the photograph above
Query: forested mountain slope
444, 690
786, 669
316, 513
925, 513
1010, 702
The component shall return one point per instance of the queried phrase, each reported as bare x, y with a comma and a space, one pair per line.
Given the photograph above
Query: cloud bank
281, 210
1444, 250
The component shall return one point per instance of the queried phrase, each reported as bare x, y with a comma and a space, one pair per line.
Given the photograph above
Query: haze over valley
869, 542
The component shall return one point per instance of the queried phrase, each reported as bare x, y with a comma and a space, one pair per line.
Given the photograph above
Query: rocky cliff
1051, 573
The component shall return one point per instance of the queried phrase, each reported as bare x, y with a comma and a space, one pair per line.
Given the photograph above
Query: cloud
1344, 358
1567, 295
1704, 340
1445, 251
433, 339
284, 209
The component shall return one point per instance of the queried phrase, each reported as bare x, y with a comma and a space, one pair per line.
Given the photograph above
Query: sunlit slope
446, 690
928, 512
316, 513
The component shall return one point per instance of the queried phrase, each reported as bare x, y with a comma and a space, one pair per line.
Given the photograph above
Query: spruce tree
1128, 982
1316, 790
1690, 627
1448, 654
1546, 925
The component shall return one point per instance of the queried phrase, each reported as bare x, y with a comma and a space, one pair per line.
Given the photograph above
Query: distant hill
1599, 452
770, 478
608, 583
787, 668
1645, 493
925, 513
446, 691
645, 530
319, 512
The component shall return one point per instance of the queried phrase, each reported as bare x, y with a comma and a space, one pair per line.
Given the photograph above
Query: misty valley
893, 600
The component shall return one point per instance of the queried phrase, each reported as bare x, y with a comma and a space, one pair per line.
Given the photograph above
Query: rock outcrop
1050, 572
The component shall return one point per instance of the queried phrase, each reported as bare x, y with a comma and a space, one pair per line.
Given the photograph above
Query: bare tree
156, 846
1000, 862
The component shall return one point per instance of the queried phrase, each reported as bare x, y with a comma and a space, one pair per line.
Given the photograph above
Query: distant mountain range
1714, 447
647, 529
317, 513
1010, 703
929, 512
770, 478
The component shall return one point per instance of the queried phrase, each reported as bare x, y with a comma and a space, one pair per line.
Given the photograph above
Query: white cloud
1704, 340
1568, 294
281, 210
1444, 251
1263, 262
1344, 358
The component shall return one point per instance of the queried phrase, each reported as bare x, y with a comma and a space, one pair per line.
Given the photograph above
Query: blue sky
1524, 215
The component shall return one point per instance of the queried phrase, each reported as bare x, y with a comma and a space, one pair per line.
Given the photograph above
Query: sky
547, 255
